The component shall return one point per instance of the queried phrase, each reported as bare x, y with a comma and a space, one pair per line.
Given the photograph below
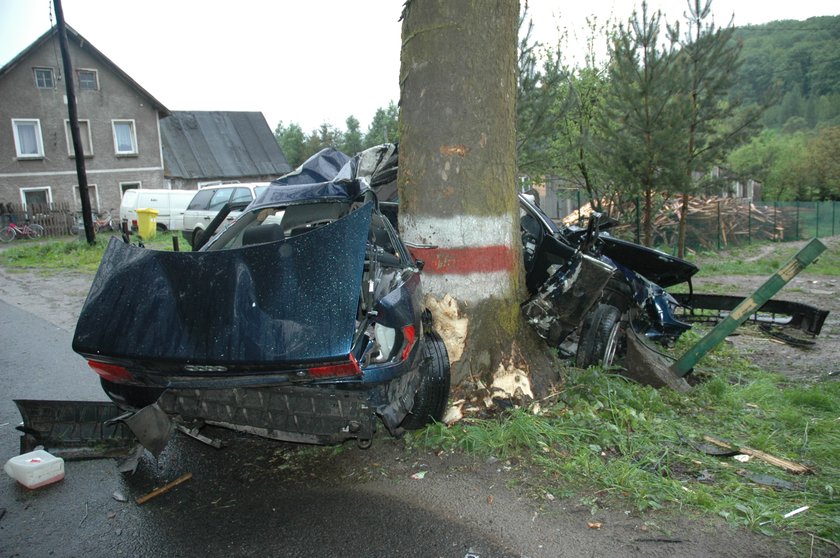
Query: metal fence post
817, 205
797, 221
718, 225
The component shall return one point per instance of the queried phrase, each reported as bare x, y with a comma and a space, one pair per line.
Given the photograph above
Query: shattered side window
270, 224
383, 242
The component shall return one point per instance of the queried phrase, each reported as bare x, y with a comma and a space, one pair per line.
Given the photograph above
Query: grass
765, 259
51, 256
608, 435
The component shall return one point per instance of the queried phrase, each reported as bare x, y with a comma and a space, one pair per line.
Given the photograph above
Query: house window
36, 199
93, 196
84, 131
28, 142
125, 138
126, 186
44, 78
88, 80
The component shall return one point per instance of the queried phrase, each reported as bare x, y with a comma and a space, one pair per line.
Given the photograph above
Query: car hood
285, 302
656, 266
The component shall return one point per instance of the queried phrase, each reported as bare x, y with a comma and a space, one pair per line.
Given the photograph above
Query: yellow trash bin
147, 223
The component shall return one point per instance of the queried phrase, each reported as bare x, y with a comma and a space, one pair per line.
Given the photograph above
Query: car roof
235, 185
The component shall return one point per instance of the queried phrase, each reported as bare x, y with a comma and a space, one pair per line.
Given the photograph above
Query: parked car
207, 202
301, 320
170, 205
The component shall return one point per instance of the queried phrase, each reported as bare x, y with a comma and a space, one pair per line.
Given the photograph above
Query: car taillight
349, 368
409, 336
111, 372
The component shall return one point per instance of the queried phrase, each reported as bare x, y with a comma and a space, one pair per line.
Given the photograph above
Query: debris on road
163, 489
767, 480
35, 469
797, 511
74, 429
787, 465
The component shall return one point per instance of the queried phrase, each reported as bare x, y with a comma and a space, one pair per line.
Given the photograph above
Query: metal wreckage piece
74, 429
774, 314
557, 308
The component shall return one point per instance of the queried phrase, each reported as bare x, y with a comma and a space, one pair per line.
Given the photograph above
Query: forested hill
802, 59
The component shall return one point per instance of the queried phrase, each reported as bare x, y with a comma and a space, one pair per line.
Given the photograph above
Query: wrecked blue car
624, 287
302, 320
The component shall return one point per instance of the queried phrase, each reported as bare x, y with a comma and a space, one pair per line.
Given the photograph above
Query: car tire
618, 293
600, 337
130, 398
432, 394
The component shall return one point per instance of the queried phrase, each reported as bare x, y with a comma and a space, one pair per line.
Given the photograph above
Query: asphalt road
235, 504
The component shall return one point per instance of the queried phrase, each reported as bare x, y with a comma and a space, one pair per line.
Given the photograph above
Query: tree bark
458, 206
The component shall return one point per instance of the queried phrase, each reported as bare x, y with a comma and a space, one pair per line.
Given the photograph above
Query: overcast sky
309, 61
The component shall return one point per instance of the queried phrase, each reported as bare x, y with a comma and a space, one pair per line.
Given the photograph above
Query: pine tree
643, 120
710, 57
291, 142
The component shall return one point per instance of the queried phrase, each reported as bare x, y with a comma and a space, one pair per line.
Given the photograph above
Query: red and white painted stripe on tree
468, 257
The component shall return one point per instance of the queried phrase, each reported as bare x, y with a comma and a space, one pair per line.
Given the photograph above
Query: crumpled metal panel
288, 301
558, 307
295, 414
74, 429
323, 166
656, 266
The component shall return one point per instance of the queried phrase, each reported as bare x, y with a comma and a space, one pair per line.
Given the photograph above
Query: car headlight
386, 337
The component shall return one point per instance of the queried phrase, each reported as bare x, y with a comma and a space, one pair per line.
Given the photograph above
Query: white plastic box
35, 469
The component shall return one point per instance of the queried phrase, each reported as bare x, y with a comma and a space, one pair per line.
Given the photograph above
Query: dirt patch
803, 363
54, 297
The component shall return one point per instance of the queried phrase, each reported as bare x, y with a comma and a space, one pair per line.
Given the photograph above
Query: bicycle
11, 231
101, 223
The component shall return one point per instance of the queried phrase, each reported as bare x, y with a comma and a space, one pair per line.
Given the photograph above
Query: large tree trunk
458, 206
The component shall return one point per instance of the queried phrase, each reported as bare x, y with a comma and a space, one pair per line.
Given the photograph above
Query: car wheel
195, 236
431, 397
600, 337
130, 398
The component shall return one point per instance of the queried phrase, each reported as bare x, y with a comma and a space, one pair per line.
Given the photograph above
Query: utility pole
78, 148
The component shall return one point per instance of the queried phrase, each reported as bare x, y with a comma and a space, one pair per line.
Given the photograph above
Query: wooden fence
714, 223
57, 218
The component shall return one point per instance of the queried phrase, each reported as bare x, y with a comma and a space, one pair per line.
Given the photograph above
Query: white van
170, 205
